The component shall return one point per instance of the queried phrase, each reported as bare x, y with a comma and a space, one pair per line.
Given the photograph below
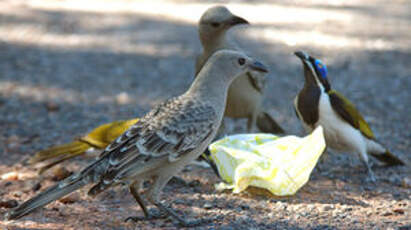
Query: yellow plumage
98, 138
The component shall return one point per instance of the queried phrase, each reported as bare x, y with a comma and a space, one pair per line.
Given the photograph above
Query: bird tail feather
51, 194
388, 158
57, 161
88, 175
206, 156
382, 154
267, 124
68, 150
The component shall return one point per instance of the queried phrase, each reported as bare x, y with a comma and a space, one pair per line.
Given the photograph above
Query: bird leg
370, 173
221, 131
321, 166
173, 214
153, 197
147, 215
251, 122
364, 159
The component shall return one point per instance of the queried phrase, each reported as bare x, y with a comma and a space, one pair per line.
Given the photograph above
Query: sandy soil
67, 66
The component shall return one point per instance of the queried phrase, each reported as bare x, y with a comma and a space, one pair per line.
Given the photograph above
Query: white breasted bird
344, 127
161, 143
246, 93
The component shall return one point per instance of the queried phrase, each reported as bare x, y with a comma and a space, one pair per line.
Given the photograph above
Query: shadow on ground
65, 72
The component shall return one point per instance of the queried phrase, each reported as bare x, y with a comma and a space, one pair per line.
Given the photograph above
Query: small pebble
179, 201
17, 194
60, 173
36, 187
69, 199
52, 106
8, 204
208, 205
399, 211
327, 208
406, 182
349, 209
123, 98
280, 205
10, 176
194, 183
387, 214
8, 183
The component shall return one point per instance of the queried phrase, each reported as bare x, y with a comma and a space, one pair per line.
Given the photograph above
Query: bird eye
241, 61
215, 24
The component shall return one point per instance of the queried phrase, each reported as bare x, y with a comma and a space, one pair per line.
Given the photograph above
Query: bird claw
182, 223
194, 223
151, 216
135, 219
178, 181
371, 177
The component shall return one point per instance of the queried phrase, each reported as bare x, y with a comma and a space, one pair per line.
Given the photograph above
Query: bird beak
258, 66
235, 20
303, 56
309, 70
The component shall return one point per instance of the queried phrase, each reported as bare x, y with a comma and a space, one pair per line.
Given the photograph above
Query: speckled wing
172, 129
257, 80
349, 113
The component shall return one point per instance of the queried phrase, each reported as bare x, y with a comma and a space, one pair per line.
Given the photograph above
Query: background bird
161, 143
246, 93
344, 127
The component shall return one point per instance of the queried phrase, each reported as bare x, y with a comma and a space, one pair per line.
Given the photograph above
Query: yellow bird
98, 139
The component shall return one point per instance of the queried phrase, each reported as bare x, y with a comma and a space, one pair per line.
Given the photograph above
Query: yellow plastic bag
281, 165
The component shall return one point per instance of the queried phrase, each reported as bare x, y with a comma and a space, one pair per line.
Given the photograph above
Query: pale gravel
50, 94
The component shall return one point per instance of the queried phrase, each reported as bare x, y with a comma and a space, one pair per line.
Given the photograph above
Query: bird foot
193, 223
156, 216
371, 177
152, 215
181, 221
178, 181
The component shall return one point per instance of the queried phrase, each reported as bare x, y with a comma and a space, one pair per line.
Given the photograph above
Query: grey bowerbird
161, 143
246, 93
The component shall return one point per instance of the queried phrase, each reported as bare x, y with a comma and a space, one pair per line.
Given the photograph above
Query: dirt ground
68, 66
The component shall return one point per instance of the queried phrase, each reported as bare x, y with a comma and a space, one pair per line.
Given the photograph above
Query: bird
160, 144
98, 139
244, 100
345, 129
246, 93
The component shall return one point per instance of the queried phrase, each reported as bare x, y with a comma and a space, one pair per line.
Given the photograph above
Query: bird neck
308, 102
212, 43
211, 83
312, 81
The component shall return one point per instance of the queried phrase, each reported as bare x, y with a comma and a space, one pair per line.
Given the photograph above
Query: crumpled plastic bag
282, 165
